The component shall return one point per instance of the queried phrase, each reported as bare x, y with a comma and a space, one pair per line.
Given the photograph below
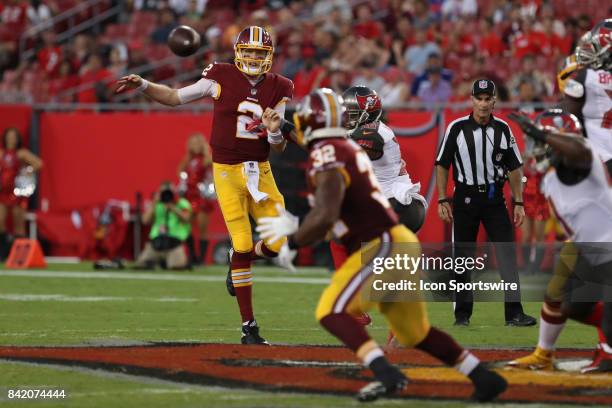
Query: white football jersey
389, 166
391, 172
585, 208
596, 88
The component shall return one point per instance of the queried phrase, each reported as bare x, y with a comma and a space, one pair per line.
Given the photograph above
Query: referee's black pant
472, 206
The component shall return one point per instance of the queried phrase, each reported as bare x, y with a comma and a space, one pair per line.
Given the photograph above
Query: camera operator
170, 219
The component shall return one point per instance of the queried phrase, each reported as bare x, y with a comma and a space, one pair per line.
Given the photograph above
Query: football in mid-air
184, 41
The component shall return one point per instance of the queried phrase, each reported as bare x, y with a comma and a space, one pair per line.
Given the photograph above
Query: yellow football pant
563, 270
349, 290
237, 204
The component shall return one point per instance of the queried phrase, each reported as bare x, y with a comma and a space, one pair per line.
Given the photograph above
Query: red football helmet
319, 116
584, 52
601, 39
559, 121
253, 38
363, 106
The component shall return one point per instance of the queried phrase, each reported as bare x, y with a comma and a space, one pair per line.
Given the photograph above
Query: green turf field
75, 305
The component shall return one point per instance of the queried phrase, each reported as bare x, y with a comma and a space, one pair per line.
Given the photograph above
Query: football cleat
377, 389
487, 384
602, 362
228, 280
540, 359
250, 334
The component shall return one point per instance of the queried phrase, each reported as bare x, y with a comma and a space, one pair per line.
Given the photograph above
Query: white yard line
29, 297
155, 276
175, 277
52, 332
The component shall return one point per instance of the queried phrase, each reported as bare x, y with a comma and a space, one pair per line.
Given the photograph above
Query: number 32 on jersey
327, 154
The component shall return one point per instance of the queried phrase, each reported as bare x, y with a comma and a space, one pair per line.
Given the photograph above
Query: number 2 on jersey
252, 110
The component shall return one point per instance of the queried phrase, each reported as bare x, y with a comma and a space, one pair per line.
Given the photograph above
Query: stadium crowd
428, 51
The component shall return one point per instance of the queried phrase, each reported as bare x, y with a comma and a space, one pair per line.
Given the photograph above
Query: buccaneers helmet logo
369, 103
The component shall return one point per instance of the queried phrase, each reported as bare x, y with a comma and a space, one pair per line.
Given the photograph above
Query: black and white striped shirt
480, 154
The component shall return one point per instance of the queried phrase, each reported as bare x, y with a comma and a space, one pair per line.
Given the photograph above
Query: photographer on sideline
170, 217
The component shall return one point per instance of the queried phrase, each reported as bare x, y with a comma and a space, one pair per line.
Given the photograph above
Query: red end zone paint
315, 370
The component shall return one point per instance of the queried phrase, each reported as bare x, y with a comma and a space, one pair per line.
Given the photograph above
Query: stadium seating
136, 26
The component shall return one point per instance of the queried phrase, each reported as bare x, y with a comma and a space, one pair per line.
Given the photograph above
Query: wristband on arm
515, 203
144, 85
444, 200
275, 138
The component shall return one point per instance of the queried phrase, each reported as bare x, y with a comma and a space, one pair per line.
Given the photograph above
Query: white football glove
285, 258
274, 228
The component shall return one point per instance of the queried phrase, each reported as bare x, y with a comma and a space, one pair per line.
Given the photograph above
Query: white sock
372, 355
606, 348
468, 364
549, 333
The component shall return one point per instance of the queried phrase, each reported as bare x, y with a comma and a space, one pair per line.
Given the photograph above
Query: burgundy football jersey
238, 104
365, 212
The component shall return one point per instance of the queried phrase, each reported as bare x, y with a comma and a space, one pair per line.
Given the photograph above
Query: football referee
483, 153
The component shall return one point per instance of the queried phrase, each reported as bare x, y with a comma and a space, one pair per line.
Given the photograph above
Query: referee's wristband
515, 203
291, 242
444, 200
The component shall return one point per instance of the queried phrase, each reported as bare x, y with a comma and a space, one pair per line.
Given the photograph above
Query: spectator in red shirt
511, 26
93, 73
365, 26
118, 59
307, 76
567, 41
79, 50
527, 41
490, 43
551, 43
66, 80
50, 56
14, 19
